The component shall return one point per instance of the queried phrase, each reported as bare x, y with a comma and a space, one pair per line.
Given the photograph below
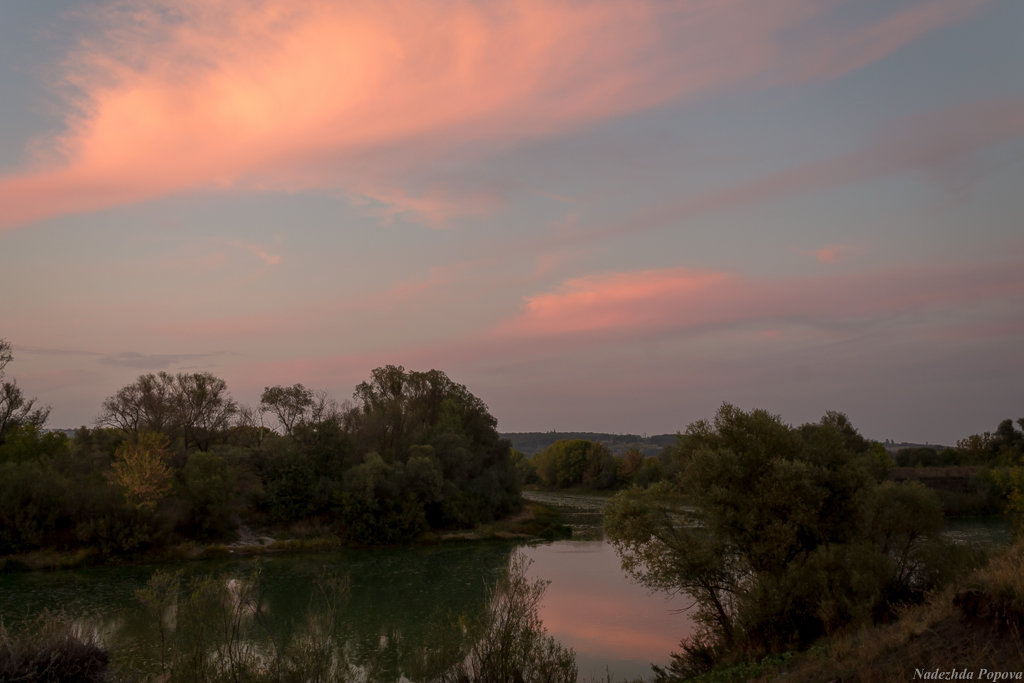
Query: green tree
525, 466
209, 494
779, 534
27, 443
577, 462
399, 414
1015, 497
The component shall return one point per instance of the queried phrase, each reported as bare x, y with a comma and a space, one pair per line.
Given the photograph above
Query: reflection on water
611, 622
404, 609
399, 607
983, 533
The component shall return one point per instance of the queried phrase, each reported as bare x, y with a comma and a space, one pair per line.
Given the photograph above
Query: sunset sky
605, 216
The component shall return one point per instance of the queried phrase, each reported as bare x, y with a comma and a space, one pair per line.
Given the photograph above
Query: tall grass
52, 648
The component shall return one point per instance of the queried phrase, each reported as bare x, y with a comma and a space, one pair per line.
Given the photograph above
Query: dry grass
946, 633
52, 648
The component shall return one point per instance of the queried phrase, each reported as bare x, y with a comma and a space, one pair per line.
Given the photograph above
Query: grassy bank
534, 521
975, 626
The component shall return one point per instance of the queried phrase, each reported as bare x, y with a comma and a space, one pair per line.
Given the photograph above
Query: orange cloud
175, 96
833, 253
612, 301
645, 302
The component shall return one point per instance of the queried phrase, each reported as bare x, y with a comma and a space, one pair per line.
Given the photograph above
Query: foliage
209, 495
418, 452
16, 410
1003, 447
514, 646
290, 405
399, 414
565, 464
531, 443
27, 443
780, 534
975, 626
297, 409
52, 648
192, 407
1015, 498
927, 456
526, 468
141, 471
32, 506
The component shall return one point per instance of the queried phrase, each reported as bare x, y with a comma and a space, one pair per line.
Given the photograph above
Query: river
399, 602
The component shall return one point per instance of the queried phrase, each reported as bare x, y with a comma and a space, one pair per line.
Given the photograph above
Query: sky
597, 215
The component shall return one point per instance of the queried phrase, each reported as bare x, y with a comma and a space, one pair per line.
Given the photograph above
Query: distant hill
534, 442
894, 447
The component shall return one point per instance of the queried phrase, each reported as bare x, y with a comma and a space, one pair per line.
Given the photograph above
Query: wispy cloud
927, 143
832, 253
259, 251
153, 361
275, 95
130, 359
673, 301
616, 301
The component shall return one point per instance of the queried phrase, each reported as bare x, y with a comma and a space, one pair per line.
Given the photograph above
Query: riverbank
973, 627
535, 521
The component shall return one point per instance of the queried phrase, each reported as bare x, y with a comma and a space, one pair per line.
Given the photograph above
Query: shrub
52, 648
514, 645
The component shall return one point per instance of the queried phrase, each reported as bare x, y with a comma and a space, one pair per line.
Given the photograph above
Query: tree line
174, 457
990, 461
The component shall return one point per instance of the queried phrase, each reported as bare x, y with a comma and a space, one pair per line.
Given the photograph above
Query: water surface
399, 601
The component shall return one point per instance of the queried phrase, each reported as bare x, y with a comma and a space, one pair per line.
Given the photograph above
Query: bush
514, 645
52, 648
209, 495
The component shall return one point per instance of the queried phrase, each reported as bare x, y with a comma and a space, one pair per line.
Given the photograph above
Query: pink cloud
641, 303
611, 301
175, 96
590, 313
833, 253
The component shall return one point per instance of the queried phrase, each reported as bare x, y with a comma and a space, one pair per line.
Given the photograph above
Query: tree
577, 462
209, 494
194, 407
290, 405
145, 405
140, 470
16, 410
300, 412
399, 414
776, 532
203, 408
